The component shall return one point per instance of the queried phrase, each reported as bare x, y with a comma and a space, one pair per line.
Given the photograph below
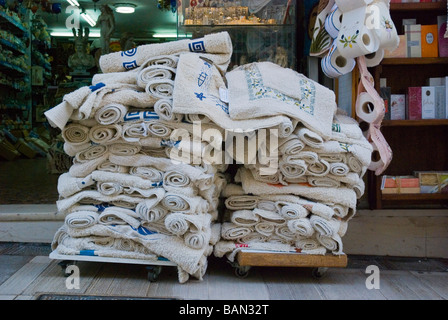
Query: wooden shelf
427, 6
415, 123
415, 197
414, 61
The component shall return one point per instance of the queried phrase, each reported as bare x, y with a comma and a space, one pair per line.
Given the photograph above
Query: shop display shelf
11, 69
16, 49
418, 6
9, 23
415, 123
414, 61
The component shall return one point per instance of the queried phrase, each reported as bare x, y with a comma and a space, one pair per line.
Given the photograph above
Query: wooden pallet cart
247, 258
154, 268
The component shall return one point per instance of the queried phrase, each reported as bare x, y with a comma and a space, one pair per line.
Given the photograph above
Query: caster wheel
64, 264
318, 273
242, 272
153, 273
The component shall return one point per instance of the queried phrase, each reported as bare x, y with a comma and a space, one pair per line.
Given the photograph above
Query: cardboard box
400, 184
429, 42
400, 51
429, 182
414, 105
389, 185
408, 184
397, 106
444, 182
7, 150
443, 42
441, 107
385, 93
413, 40
428, 103
25, 149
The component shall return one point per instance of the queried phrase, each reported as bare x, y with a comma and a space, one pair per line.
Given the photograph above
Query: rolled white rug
105, 134
81, 219
76, 134
111, 113
149, 212
301, 226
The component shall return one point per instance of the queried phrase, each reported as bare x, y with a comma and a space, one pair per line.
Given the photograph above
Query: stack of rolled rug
304, 202
139, 186
152, 139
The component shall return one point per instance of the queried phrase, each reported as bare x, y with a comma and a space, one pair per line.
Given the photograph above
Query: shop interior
52, 48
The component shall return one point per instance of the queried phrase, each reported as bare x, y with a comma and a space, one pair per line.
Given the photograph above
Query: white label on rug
223, 95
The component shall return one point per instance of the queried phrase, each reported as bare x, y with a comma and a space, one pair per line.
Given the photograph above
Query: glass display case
260, 30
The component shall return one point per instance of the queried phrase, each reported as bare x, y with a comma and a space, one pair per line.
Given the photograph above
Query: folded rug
132, 97
160, 88
324, 181
71, 150
288, 210
109, 188
76, 134
149, 173
164, 109
332, 243
230, 248
284, 233
185, 204
245, 218
241, 202
308, 243
93, 196
230, 231
105, 134
112, 167
125, 180
81, 219
202, 180
69, 185
255, 87
191, 261
309, 157
267, 205
103, 246
192, 117
116, 215
301, 227
200, 81
293, 169
291, 145
309, 137
155, 72
325, 227
339, 169
216, 47
197, 240
124, 149
85, 162
178, 181
111, 113
180, 223
150, 212
345, 126
319, 168
343, 196
265, 228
